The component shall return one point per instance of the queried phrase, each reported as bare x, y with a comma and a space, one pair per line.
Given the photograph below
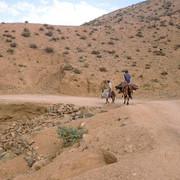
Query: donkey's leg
107, 100
128, 100
125, 99
113, 99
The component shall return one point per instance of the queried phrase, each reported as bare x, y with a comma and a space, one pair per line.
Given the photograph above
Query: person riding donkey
107, 91
127, 80
109, 84
126, 87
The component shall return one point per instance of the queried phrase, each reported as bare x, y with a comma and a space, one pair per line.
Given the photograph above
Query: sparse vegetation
26, 32
68, 67
86, 65
103, 69
147, 66
164, 73
176, 47
95, 52
33, 46
49, 33
10, 51
13, 44
69, 135
77, 71
49, 49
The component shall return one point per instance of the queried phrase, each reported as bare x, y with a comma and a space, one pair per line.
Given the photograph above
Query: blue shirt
127, 77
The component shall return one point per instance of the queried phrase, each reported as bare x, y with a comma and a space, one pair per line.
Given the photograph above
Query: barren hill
42, 58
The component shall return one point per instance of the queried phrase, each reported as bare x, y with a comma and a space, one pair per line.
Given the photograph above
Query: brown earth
139, 141
145, 41
45, 65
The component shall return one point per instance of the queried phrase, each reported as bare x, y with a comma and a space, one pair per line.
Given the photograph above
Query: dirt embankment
139, 141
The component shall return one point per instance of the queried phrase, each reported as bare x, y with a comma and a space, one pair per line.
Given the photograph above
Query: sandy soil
142, 138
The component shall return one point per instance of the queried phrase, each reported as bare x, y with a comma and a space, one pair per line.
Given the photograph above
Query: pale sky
58, 12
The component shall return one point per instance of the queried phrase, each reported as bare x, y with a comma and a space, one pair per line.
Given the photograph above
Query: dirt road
81, 101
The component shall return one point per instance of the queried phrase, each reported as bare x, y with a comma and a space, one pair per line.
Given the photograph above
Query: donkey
106, 95
127, 90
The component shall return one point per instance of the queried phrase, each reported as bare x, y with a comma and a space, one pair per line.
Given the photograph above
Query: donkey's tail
129, 92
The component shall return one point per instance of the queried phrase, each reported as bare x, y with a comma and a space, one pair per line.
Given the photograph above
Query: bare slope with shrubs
142, 38
111, 141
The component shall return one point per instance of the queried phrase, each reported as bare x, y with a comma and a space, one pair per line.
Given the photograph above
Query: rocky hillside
49, 59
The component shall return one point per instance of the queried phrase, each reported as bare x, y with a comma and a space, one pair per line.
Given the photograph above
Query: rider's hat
108, 80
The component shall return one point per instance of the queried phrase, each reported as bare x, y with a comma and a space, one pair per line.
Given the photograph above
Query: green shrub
41, 29
10, 51
65, 52
49, 49
111, 43
83, 37
86, 65
95, 52
54, 39
8, 40
164, 73
26, 32
13, 44
103, 69
176, 47
77, 71
69, 135
34, 46
50, 33
68, 67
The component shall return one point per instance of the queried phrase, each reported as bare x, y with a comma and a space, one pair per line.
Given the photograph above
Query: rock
81, 126
88, 115
37, 165
37, 128
5, 155
109, 157
13, 134
1, 150
18, 152
75, 109
29, 153
30, 160
6, 146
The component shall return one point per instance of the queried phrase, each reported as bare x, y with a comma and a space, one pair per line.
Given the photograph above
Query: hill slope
50, 59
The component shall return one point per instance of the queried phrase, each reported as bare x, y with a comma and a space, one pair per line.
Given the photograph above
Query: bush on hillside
77, 71
26, 32
68, 67
13, 44
50, 33
49, 49
34, 46
103, 69
10, 51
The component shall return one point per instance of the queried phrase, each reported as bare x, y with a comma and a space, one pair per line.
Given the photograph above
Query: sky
58, 12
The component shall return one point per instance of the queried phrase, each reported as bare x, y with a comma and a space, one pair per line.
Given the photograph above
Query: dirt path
81, 101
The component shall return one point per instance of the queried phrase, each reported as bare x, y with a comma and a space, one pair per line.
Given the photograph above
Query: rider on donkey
109, 87
127, 79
